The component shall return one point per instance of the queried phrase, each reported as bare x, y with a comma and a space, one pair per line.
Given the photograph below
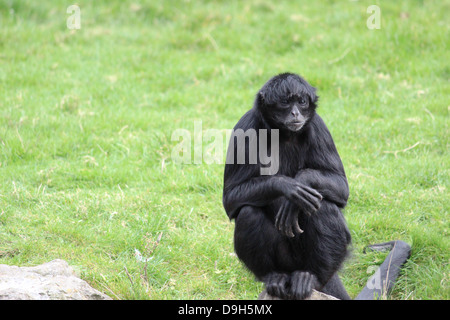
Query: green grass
86, 118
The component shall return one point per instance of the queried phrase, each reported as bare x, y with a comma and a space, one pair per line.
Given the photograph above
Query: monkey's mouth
295, 125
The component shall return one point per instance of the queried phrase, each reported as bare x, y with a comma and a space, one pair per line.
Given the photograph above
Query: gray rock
54, 280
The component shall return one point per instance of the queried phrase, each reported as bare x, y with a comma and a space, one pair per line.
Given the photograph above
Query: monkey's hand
306, 198
286, 220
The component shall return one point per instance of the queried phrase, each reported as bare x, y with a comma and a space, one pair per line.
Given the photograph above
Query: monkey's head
287, 102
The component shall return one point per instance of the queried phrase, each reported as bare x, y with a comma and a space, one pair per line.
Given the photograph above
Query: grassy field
87, 116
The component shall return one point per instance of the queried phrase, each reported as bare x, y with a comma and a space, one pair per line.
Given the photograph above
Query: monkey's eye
302, 101
284, 101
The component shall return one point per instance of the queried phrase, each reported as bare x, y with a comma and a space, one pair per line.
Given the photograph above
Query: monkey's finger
288, 232
314, 204
313, 201
292, 226
296, 194
310, 203
313, 192
307, 206
286, 227
282, 221
279, 220
278, 216
297, 228
305, 199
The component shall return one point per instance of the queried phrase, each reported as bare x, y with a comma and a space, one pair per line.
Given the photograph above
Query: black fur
289, 227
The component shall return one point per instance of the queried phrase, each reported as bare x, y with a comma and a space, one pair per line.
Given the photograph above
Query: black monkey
289, 227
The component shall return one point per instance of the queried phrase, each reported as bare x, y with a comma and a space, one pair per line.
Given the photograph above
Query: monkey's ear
260, 98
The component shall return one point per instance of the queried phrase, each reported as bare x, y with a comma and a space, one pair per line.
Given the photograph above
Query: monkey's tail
383, 280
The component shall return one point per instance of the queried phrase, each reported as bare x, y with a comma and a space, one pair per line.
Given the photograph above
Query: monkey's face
287, 101
292, 112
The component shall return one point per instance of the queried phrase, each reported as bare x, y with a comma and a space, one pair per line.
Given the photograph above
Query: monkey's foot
277, 285
302, 284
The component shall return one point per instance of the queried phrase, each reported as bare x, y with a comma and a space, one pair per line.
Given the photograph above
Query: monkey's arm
323, 168
260, 191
